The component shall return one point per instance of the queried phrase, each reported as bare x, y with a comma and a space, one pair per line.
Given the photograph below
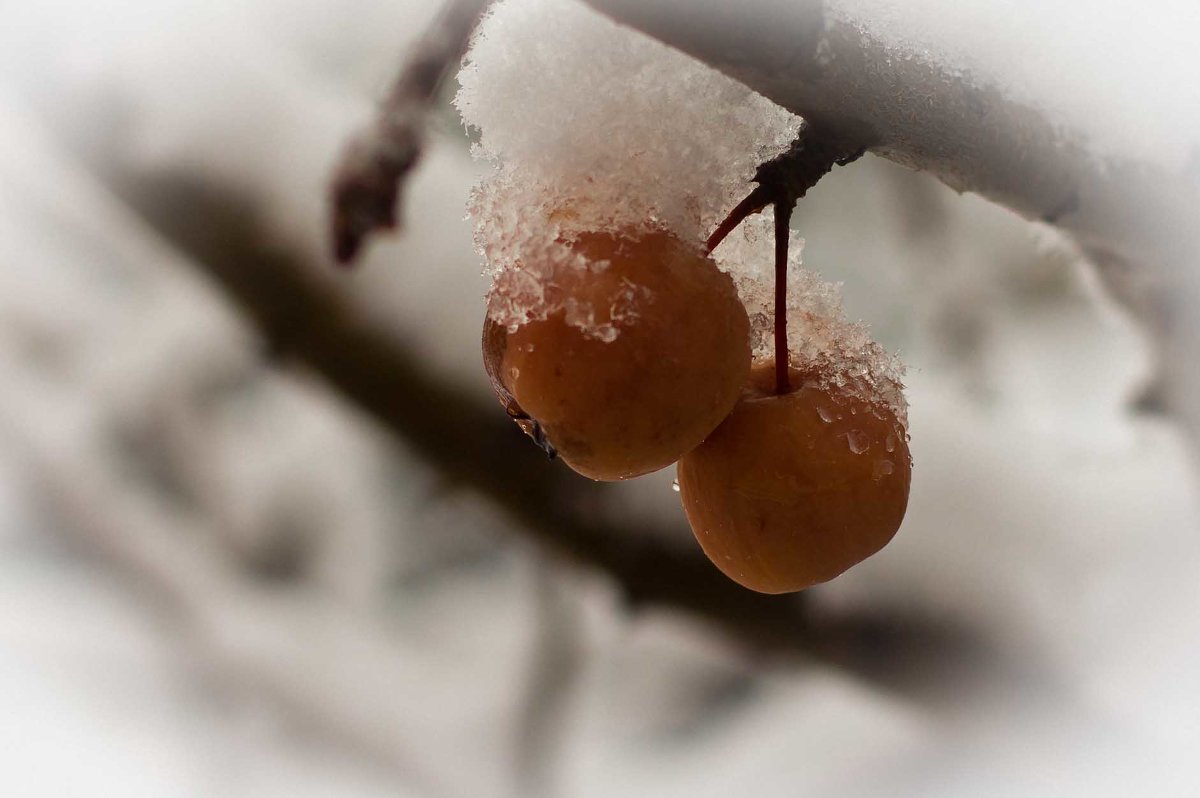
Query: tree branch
1134, 220
366, 187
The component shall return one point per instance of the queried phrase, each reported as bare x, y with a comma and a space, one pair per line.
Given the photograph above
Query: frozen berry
794, 488
645, 356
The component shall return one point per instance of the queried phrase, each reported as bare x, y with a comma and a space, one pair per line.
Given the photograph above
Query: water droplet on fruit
890, 443
858, 440
883, 468
675, 486
513, 373
825, 415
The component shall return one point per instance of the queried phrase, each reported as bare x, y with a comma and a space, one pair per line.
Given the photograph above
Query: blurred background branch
366, 187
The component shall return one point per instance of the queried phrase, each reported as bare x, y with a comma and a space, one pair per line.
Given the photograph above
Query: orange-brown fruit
793, 489
619, 408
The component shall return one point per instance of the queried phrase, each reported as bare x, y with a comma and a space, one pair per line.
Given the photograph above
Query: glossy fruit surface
792, 490
621, 405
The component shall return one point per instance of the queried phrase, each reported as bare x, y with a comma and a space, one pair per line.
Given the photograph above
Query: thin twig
366, 186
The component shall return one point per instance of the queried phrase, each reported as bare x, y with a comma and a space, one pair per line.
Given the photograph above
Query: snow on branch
906, 106
1132, 213
837, 65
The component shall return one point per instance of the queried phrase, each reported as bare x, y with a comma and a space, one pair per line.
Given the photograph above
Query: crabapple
794, 488
618, 406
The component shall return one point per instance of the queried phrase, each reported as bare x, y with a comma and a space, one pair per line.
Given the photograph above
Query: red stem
783, 216
754, 202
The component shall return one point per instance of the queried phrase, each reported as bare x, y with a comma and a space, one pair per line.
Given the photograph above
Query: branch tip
365, 190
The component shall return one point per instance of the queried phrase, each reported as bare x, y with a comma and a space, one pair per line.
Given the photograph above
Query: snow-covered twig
366, 188
1132, 217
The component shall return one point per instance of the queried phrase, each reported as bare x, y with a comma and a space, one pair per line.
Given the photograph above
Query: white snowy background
154, 464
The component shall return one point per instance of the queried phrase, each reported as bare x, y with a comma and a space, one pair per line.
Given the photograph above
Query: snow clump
590, 126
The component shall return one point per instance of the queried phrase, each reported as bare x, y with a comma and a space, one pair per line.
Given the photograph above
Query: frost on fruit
821, 340
588, 126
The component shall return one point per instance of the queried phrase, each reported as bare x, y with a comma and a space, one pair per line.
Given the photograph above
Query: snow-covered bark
932, 104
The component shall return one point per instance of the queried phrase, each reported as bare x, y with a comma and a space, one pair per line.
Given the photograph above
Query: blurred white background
222, 578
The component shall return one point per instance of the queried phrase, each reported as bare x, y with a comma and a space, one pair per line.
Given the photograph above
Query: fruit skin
620, 408
792, 490
495, 340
